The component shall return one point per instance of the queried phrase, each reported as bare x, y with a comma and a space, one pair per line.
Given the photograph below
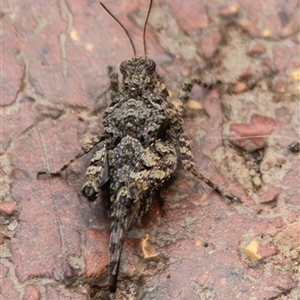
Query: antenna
144, 30
131, 42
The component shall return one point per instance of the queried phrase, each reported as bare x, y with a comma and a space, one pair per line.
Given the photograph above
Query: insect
138, 150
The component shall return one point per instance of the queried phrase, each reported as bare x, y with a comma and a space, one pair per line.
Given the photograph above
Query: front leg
188, 86
186, 90
114, 85
83, 150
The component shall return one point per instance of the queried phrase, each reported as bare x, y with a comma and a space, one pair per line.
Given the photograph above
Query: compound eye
150, 65
123, 66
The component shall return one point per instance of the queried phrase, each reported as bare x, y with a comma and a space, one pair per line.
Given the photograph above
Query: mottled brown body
142, 132
137, 152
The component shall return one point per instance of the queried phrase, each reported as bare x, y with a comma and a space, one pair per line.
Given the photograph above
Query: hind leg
189, 165
178, 135
97, 174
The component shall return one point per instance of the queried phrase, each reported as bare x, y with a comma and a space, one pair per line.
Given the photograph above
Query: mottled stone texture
55, 60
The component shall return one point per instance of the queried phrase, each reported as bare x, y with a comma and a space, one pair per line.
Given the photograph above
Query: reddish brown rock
267, 66
256, 49
31, 293
269, 193
3, 270
254, 135
45, 111
203, 278
281, 61
69, 72
246, 74
53, 292
279, 85
277, 283
250, 28
192, 16
17, 122
96, 253
266, 250
8, 208
230, 11
210, 42
289, 237
11, 66
8, 291
2, 239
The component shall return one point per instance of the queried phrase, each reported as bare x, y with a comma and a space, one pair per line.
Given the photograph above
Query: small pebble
13, 225
240, 87
257, 181
74, 35
89, 47
229, 11
252, 172
194, 105
252, 250
295, 75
